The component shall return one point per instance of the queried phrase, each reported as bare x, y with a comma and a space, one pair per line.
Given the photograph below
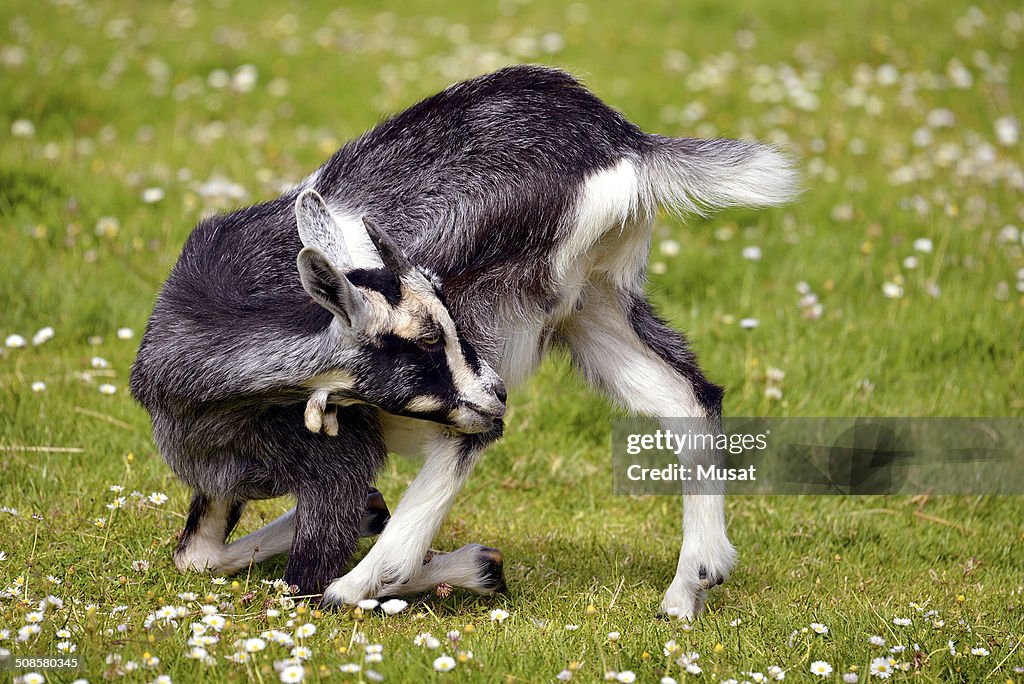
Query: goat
391, 295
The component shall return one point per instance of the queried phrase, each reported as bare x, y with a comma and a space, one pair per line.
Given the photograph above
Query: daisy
499, 615
394, 606
979, 651
444, 663
42, 335
292, 674
821, 668
881, 668
819, 628
305, 630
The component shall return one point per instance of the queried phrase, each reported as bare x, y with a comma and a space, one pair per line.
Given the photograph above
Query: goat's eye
430, 340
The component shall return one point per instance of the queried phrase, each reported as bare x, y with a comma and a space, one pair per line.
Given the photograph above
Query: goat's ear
343, 238
329, 288
390, 253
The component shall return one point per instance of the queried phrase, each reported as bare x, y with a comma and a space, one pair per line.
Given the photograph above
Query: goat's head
397, 345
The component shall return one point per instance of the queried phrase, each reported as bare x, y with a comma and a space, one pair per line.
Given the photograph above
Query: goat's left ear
318, 229
329, 288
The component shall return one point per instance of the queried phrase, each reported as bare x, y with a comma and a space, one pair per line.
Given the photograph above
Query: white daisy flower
499, 615
444, 663
394, 606
821, 668
881, 668
292, 674
254, 645
42, 335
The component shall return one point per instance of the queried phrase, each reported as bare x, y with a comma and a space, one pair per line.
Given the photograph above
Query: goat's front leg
398, 555
320, 415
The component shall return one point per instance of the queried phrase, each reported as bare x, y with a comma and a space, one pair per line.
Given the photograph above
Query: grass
123, 97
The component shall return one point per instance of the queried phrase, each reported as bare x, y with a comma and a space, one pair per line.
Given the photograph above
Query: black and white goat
443, 251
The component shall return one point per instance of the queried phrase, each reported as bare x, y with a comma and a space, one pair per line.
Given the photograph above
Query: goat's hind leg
624, 349
201, 545
475, 567
210, 521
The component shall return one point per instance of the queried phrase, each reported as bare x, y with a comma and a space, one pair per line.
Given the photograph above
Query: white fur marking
609, 199
360, 248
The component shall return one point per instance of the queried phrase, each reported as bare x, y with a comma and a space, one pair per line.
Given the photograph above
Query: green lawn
123, 123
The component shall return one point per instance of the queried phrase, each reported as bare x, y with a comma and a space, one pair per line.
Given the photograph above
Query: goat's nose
500, 392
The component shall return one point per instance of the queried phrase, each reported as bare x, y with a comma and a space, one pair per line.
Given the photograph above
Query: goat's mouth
472, 419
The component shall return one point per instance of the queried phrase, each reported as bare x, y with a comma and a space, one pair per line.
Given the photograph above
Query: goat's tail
698, 176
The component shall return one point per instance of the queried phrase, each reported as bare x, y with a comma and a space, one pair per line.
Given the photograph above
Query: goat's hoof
706, 581
376, 515
330, 422
492, 571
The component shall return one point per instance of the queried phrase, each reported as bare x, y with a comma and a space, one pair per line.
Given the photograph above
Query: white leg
268, 541
205, 549
398, 554
613, 346
472, 567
